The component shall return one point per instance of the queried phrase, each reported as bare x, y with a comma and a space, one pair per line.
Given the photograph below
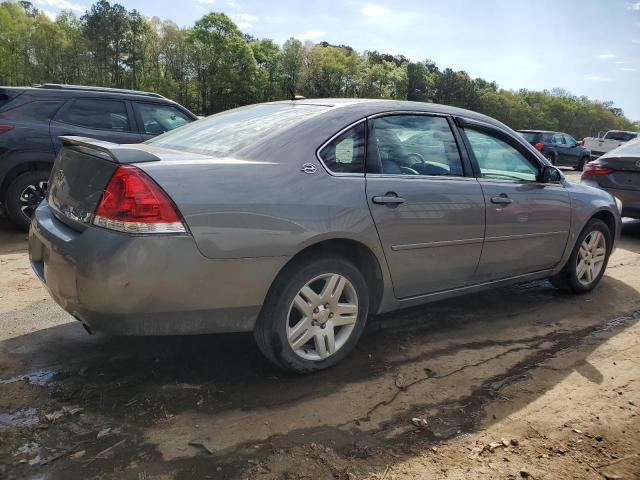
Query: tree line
212, 66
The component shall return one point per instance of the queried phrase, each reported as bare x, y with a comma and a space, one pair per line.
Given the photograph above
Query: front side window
558, 139
97, 114
157, 119
499, 160
414, 145
345, 153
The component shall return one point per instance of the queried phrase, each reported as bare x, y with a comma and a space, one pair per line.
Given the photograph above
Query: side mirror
551, 174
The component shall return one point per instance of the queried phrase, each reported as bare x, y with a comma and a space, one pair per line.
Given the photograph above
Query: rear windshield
631, 148
529, 136
620, 136
227, 132
6, 95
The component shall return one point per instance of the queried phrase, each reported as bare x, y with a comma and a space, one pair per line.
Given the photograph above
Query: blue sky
589, 47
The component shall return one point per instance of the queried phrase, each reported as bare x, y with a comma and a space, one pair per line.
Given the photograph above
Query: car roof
72, 91
538, 131
367, 106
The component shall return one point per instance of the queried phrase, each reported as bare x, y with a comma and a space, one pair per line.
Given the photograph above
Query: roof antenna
293, 96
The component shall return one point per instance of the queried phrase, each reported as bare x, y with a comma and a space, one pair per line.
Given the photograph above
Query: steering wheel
416, 158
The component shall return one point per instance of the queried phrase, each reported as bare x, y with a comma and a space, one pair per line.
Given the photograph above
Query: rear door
429, 215
157, 118
103, 119
562, 151
527, 222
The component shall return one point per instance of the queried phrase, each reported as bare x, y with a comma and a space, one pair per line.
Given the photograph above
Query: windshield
620, 136
227, 132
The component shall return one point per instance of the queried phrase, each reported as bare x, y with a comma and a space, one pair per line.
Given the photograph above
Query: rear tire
24, 195
332, 325
588, 260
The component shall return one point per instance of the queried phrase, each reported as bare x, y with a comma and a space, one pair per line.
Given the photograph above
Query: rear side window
157, 119
4, 99
530, 136
227, 132
36, 110
97, 114
414, 145
345, 153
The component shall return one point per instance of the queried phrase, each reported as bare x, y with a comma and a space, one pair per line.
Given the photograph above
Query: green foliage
212, 66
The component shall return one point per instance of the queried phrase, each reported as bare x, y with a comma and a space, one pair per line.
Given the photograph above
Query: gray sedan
298, 219
618, 172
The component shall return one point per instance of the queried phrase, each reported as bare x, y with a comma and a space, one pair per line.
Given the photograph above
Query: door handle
390, 199
501, 199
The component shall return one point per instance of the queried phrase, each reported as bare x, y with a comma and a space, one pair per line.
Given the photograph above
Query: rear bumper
146, 285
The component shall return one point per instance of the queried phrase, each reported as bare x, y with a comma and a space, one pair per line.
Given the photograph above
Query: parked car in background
612, 139
559, 148
297, 219
618, 172
32, 119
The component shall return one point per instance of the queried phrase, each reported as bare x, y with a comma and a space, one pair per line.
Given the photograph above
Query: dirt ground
519, 382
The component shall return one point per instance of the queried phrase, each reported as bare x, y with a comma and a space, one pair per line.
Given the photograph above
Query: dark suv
559, 148
32, 119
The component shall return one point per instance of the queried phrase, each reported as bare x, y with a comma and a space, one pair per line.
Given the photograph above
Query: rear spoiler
114, 152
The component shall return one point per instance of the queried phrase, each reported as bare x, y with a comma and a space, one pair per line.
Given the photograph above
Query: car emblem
308, 168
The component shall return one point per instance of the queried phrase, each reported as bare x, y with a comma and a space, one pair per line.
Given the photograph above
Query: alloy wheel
591, 257
322, 316
31, 197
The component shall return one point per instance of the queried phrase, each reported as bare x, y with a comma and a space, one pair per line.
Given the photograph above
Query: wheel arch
355, 251
20, 168
608, 218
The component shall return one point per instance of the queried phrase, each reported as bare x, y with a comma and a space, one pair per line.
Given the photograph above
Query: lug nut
331, 315
322, 326
316, 310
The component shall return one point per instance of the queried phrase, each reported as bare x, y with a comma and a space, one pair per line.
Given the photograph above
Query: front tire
314, 314
588, 260
581, 163
24, 195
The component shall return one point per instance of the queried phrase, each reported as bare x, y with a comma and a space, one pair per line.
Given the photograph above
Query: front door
429, 216
527, 221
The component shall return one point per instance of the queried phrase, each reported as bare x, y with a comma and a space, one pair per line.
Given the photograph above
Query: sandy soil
520, 382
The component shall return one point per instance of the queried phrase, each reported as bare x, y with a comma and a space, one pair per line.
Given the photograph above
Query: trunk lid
80, 174
625, 175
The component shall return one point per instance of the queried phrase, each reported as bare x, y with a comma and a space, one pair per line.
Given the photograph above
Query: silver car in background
618, 172
298, 219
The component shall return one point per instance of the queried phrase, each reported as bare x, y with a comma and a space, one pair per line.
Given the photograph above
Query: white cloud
605, 56
619, 62
233, 4
629, 69
635, 6
596, 78
62, 5
245, 25
372, 10
206, 2
245, 17
311, 35
48, 13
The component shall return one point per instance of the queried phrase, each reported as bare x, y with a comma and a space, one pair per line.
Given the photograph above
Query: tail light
593, 169
539, 146
5, 128
132, 202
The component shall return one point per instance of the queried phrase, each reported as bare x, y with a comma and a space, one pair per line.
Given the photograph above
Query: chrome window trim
421, 177
331, 139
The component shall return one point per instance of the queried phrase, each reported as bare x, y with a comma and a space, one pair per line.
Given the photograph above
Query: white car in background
603, 144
